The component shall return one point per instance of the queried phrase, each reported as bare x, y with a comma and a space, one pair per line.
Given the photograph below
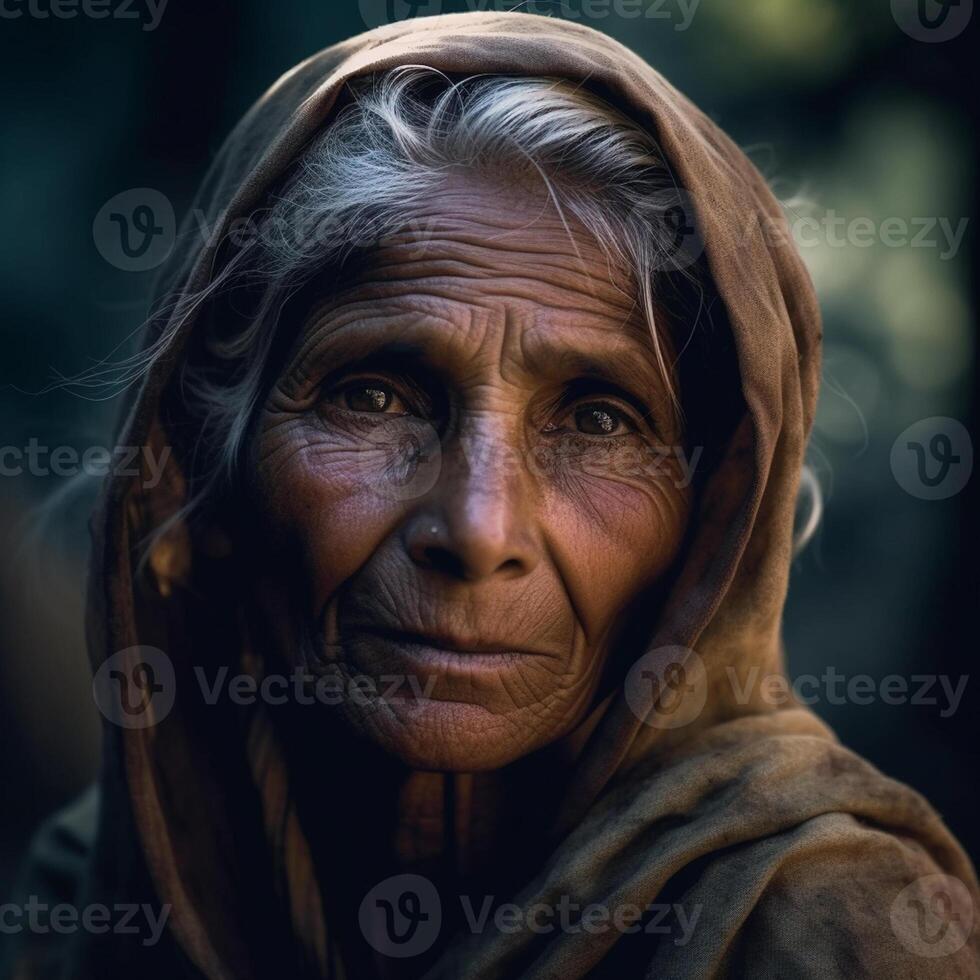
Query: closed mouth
454, 644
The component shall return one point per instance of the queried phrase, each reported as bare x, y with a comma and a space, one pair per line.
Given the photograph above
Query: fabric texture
792, 850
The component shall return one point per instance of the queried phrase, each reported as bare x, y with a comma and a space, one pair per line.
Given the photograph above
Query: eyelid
602, 387
366, 379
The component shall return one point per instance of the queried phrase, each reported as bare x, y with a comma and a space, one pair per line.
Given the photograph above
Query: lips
452, 643
394, 613
481, 670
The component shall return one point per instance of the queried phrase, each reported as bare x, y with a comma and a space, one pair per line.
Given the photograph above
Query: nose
477, 521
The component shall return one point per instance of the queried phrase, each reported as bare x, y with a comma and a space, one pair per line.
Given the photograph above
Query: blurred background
860, 116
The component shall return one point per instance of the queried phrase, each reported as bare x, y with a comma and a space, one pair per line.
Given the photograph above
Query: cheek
329, 498
615, 521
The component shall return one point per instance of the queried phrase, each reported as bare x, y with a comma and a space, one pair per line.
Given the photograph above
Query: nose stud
433, 530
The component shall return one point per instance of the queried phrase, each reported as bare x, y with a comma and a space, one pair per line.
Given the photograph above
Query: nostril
442, 560
455, 565
512, 566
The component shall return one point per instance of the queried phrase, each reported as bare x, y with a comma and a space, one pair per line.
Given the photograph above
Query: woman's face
464, 473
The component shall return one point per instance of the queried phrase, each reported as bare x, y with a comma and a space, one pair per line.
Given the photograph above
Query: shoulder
848, 899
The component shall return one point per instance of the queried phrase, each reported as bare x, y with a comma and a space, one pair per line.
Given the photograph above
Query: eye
598, 419
599, 407
371, 397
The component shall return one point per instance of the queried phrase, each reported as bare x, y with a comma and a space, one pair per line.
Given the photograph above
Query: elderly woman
446, 645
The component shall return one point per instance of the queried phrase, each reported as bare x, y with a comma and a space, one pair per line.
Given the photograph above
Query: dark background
833, 101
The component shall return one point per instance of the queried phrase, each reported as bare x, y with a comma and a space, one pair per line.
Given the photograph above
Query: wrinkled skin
453, 469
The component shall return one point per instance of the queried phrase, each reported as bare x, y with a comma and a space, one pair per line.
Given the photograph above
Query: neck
368, 817
452, 827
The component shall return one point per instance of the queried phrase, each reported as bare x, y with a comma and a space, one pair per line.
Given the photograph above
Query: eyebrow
393, 353
359, 342
622, 365
583, 364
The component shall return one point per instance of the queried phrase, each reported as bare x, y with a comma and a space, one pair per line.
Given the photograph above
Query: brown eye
598, 420
373, 398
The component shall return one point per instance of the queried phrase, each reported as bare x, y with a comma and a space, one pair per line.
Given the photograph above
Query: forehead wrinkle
460, 204
453, 272
495, 245
356, 333
451, 322
477, 340
358, 329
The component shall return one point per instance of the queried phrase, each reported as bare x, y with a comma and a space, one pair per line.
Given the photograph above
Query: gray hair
365, 176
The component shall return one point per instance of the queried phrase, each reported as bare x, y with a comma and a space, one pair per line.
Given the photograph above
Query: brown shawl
794, 851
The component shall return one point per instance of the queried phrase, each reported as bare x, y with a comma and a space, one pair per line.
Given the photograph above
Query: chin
449, 736
439, 709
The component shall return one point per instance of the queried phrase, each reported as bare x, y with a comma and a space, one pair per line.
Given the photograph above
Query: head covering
794, 850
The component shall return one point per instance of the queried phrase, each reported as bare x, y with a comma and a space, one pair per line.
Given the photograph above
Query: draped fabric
793, 853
